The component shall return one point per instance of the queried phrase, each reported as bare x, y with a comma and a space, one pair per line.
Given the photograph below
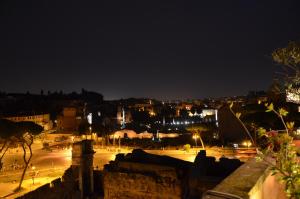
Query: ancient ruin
136, 175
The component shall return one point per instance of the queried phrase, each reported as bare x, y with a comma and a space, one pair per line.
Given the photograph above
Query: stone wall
136, 181
142, 175
206, 173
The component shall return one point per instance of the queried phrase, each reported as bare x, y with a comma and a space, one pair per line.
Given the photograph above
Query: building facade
42, 120
68, 121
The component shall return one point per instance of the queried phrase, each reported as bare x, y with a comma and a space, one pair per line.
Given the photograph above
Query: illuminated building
42, 120
123, 116
68, 121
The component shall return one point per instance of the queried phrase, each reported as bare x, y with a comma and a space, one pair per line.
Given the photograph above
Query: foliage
289, 58
187, 147
196, 130
26, 133
13, 132
167, 111
109, 125
7, 128
184, 113
140, 116
83, 127
20, 132
28, 127
238, 115
7, 131
281, 147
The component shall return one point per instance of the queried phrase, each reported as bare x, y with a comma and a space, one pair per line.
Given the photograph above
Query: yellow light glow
195, 136
247, 143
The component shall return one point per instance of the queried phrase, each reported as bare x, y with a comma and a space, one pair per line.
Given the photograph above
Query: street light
33, 174
247, 143
195, 136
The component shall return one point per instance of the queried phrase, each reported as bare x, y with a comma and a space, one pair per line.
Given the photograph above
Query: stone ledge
251, 180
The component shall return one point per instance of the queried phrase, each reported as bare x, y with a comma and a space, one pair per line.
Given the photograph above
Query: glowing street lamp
247, 143
195, 137
33, 174
72, 138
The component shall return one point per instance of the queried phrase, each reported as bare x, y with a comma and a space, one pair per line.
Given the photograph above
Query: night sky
160, 49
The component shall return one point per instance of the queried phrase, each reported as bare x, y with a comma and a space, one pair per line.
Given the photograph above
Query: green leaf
261, 131
238, 115
290, 125
270, 107
283, 112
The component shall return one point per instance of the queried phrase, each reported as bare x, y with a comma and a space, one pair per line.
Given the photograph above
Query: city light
149, 100
195, 137
247, 143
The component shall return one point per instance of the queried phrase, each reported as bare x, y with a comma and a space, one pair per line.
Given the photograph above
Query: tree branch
243, 125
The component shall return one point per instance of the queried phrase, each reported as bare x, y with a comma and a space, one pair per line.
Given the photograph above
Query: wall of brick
137, 186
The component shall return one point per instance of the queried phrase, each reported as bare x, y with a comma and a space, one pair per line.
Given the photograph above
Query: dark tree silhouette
26, 132
7, 131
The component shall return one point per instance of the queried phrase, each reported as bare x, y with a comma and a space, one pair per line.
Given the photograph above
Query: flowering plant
279, 152
280, 147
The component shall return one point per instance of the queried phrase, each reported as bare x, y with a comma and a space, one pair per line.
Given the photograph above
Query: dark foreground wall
65, 187
130, 180
142, 175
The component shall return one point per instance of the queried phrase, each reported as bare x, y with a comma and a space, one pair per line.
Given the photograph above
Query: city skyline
174, 50
149, 99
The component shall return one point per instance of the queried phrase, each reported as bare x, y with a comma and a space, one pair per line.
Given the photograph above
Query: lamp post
247, 143
33, 174
195, 136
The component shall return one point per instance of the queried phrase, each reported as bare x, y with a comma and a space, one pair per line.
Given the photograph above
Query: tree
140, 116
237, 116
167, 111
184, 113
281, 148
7, 132
83, 127
196, 130
108, 126
26, 132
289, 58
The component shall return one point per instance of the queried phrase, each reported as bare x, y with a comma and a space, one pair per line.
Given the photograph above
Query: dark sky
161, 49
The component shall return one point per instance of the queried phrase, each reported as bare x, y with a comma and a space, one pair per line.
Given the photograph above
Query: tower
82, 158
123, 118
